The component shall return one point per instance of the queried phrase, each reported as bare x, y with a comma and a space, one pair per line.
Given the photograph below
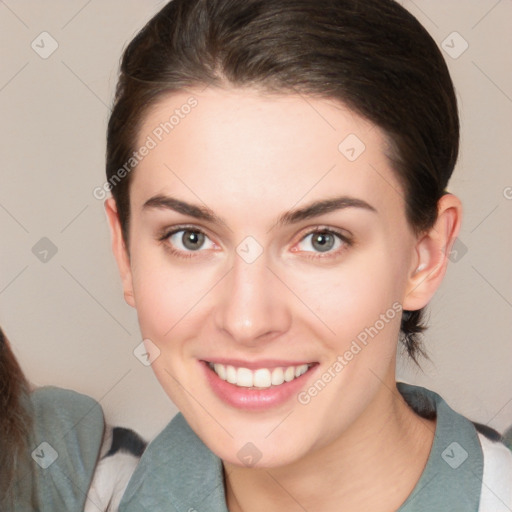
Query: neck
374, 465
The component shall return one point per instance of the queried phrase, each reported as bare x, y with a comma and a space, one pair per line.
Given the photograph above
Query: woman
280, 219
56, 453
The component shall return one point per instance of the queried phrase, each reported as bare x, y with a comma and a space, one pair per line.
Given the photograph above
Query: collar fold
179, 473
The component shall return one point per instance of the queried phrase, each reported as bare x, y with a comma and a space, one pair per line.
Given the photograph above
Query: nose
252, 308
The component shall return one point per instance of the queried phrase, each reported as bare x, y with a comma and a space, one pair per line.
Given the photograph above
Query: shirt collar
452, 478
179, 470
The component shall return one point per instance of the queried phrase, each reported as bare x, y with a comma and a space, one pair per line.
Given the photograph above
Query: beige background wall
66, 316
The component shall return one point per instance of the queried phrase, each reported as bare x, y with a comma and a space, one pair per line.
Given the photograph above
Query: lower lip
254, 399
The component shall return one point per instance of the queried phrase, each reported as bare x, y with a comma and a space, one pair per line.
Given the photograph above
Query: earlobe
119, 250
432, 250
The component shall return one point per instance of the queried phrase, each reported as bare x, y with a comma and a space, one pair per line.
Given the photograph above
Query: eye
183, 241
325, 241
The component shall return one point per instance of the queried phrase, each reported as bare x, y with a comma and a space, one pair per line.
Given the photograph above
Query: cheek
351, 296
168, 301
168, 295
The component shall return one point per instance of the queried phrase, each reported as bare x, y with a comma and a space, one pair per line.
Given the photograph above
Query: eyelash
346, 241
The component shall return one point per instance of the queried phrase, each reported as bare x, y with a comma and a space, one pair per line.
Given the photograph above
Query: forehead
235, 147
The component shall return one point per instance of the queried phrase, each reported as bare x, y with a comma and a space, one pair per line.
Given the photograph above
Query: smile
260, 378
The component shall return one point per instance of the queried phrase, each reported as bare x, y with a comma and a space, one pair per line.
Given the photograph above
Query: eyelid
168, 231
322, 228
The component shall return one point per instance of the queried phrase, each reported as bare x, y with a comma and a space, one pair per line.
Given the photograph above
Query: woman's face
235, 261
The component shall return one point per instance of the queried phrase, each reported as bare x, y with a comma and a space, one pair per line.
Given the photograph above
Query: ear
431, 254
119, 249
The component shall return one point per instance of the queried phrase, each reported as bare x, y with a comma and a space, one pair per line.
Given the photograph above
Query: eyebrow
310, 211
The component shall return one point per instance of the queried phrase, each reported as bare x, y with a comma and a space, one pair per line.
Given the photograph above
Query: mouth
259, 378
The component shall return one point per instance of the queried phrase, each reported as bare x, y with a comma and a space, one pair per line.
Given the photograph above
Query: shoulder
64, 446
72, 421
483, 477
80, 459
53, 405
175, 469
496, 495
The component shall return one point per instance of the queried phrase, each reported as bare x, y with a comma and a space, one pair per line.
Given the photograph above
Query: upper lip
254, 365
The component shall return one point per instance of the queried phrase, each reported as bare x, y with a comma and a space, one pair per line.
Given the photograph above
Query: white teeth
289, 374
230, 374
300, 370
277, 376
260, 378
220, 370
244, 377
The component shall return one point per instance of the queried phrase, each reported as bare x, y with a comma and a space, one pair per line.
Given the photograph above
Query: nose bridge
251, 307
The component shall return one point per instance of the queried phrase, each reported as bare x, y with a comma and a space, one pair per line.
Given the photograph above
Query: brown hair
15, 418
373, 56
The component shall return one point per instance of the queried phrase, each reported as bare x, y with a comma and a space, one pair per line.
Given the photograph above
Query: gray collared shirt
179, 473
64, 445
